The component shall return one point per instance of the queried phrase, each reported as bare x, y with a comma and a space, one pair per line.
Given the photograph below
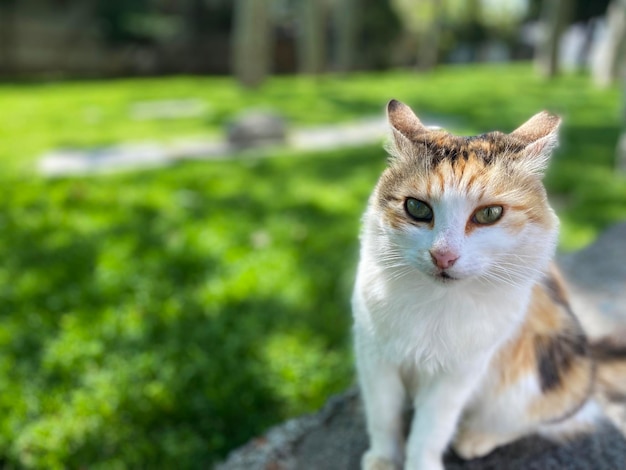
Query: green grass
159, 318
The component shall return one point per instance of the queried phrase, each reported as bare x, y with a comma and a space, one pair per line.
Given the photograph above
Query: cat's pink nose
443, 259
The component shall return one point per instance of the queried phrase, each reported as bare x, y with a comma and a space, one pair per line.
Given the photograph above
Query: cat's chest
431, 328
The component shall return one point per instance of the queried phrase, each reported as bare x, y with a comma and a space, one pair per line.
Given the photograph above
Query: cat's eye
487, 215
418, 210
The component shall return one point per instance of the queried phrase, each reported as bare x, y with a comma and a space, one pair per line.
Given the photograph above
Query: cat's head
465, 208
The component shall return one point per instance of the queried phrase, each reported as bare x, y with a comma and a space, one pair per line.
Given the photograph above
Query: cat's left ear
539, 136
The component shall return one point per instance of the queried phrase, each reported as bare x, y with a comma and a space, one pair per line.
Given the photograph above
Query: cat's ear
405, 128
403, 120
539, 136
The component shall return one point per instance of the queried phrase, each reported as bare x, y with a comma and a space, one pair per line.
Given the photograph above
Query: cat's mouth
444, 277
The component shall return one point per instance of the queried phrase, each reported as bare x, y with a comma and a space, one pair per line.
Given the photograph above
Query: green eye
487, 215
419, 210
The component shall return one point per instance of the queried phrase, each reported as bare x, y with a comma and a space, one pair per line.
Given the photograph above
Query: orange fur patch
567, 399
519, 358
550, 342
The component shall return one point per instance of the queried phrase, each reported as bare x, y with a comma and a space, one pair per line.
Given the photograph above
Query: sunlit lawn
159, 318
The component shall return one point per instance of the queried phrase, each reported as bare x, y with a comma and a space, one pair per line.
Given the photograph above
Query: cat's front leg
439, 402
384, 400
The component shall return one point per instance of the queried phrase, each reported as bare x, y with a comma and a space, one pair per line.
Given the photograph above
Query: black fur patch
556, 293
442, 146
556, 355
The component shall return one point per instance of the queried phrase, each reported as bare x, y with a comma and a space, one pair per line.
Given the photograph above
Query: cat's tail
610, 385
609, 354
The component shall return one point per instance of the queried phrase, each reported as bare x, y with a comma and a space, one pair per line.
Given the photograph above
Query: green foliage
159, 318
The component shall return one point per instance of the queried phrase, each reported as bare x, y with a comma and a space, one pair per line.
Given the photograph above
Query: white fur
431, 342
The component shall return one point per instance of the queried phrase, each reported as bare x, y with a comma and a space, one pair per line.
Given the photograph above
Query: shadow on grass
164, 317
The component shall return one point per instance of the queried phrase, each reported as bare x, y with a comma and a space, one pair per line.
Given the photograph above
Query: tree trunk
610, 59
312, 38
428, 47
555, 16
346, 15
251, 42
7, 36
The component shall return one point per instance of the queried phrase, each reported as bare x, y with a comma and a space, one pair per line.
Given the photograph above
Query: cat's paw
371, 461
423, 461
472, 445
424, 465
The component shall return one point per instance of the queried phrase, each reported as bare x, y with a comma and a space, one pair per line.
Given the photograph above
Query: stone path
142, 155
128, 156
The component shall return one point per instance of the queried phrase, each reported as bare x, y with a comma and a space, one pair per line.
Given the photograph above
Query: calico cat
458, 308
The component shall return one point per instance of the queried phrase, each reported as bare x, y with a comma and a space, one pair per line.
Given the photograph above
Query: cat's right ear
403, 121
405, 129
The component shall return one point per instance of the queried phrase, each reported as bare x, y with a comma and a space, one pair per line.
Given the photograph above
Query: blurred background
182, 183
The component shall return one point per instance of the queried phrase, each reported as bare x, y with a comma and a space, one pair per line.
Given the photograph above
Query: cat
458, 307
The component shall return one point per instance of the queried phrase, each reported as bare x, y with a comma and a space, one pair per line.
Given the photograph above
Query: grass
160, 318
180, 311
